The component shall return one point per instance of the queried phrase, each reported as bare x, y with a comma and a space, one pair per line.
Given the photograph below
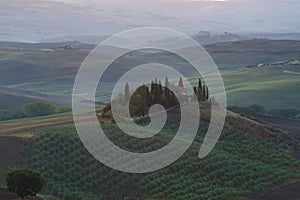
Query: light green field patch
269, 87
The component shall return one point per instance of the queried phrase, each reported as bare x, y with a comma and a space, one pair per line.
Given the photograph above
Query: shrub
64, 109
24, 182
39, 109
11, 114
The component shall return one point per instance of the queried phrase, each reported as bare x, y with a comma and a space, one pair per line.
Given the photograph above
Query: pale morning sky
42, 19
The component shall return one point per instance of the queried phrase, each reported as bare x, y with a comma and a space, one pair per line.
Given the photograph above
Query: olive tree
24, 182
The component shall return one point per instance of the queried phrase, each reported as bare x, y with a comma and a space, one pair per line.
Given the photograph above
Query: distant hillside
206, 37
46, 45
275, 36
88, 39
203, 37
50, 68
15, 99
242, 53
274, 86
271, 86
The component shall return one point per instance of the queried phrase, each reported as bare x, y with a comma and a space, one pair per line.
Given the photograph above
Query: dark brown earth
6, 195
10, 153
12, 135
289, 192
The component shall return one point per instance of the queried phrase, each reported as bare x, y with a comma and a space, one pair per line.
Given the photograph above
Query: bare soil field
24, 128
10, 153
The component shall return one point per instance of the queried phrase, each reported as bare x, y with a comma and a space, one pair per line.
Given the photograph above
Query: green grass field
270, 87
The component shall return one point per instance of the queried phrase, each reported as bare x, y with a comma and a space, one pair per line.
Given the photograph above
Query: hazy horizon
37, 20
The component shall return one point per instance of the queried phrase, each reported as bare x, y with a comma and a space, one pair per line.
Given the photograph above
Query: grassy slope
52, 73
16, 99
270, 87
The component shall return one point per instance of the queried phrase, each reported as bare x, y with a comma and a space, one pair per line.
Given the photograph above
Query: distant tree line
286, 113
35, 109
144, 97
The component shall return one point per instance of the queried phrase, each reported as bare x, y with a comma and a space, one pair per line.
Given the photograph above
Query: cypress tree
152, 92
195, 95
148, 97
207, 94
160, 92
203, 92
166, 82
172, 99
152, 88
126, 93
180, 83
155, 91
200, 93
159, 87
200, 84
167, 92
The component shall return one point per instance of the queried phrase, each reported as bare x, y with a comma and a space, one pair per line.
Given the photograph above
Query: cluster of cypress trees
201, 92
144, 97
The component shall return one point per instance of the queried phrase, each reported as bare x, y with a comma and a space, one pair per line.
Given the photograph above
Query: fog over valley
39, 20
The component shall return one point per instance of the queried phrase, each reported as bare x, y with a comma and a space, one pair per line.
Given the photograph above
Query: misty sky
43, 19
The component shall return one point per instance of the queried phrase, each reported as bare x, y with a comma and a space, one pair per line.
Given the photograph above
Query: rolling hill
271, 86
249, 160
46, 70
16, 99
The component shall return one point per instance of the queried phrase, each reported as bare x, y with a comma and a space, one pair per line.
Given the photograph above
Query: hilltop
245, 143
